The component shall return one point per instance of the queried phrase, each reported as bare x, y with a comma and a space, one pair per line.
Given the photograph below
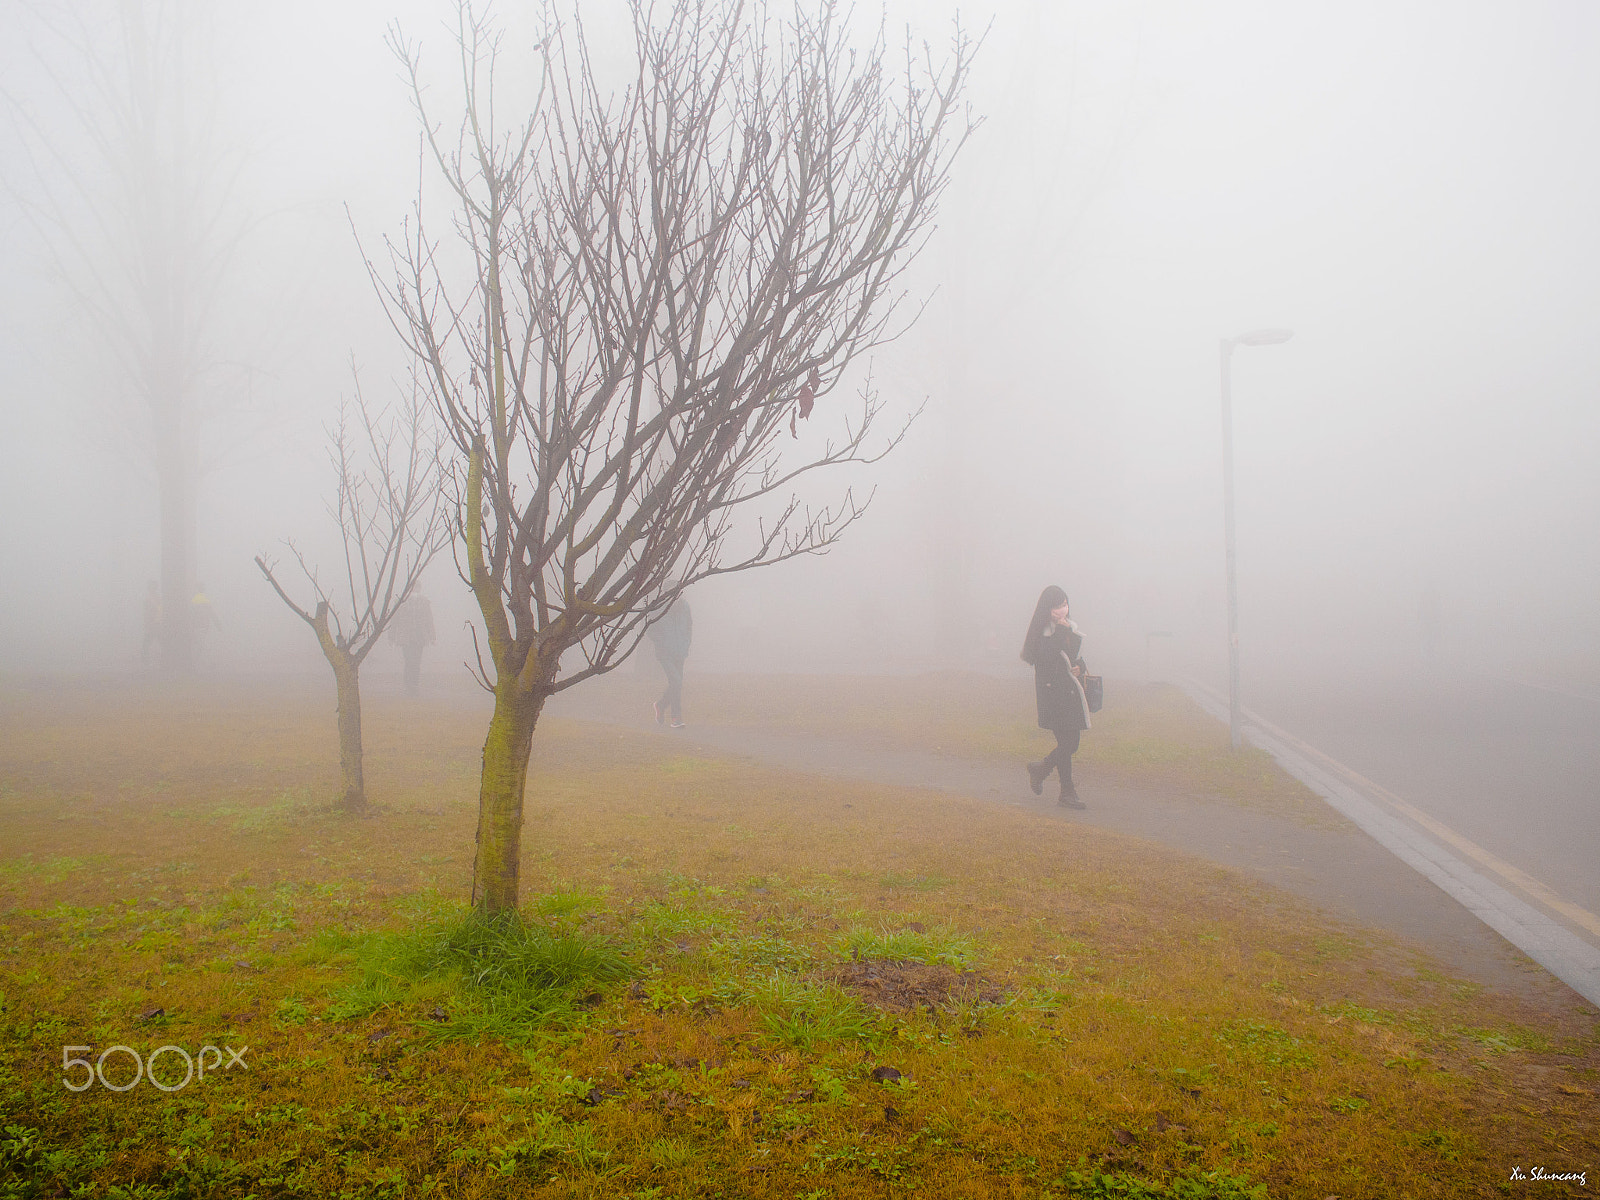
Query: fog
1409, 188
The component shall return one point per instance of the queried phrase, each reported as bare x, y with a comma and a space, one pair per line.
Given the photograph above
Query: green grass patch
288, 807
907, 882
50, 870
505, 977
944, 946
1508, 1039
1189, 1185
802, 1013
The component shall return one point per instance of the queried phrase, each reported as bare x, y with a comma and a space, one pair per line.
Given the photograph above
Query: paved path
1561, 936
1513, 767
1329, 861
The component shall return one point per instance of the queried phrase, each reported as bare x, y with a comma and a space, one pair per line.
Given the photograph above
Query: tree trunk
347, 678
505, 776
177, 621
347, 674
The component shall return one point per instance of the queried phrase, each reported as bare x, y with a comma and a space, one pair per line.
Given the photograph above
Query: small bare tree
391, 522
664, 280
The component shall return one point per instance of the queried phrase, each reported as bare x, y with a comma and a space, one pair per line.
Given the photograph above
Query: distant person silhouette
413, 632
671, 634
152, 621
1053, 649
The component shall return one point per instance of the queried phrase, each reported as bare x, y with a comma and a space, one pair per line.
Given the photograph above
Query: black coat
1062, 706
672, 633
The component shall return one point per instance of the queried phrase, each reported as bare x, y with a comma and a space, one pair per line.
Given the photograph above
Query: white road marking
1556, 947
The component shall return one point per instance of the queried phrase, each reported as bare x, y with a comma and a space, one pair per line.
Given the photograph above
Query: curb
1548, 942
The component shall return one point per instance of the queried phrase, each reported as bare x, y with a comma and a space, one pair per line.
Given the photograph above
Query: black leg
672, 698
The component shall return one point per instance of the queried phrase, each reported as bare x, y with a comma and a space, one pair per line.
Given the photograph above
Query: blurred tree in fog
130, 192
1059, 116
391, 523
663, 282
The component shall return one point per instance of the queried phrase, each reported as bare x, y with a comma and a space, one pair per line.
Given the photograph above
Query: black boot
1038, 772
1069, 794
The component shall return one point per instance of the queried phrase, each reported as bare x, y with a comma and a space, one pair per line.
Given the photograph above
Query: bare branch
668, 280
388, 506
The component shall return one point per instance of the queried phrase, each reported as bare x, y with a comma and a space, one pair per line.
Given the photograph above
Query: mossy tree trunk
506, 750
353, 787
525, 671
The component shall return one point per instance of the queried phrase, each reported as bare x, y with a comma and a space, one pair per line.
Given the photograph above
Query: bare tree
391, 523
139, 226
663, 282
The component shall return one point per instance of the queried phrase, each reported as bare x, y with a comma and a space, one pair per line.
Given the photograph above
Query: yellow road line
1520, 879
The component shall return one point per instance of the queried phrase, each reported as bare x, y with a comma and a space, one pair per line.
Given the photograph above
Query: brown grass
1158, 1018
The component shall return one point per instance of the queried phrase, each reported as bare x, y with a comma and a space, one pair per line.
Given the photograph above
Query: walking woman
1052, 648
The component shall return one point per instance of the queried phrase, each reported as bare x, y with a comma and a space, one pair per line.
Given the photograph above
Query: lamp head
1264, 337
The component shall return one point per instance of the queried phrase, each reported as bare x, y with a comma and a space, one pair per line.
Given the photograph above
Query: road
1513, 767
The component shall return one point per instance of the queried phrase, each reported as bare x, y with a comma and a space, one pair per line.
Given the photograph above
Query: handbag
1094, 691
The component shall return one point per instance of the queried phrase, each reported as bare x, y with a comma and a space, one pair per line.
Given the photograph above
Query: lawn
726, 981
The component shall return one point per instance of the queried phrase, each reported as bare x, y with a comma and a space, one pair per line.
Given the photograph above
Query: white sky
1410, 187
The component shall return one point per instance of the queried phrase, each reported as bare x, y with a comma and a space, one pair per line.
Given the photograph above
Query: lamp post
1258, 337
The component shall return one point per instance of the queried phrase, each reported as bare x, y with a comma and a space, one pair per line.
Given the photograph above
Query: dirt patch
903, 987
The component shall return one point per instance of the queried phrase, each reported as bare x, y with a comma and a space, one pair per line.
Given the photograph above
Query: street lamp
1257, 337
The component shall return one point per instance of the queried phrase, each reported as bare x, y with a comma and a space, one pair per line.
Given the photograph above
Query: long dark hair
1052, 597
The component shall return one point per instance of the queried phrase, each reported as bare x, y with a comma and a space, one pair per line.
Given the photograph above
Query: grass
911, 945
725, 981
507, 977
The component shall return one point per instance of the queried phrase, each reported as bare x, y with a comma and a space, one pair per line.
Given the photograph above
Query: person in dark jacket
412, 630
1053, 648
672, 634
